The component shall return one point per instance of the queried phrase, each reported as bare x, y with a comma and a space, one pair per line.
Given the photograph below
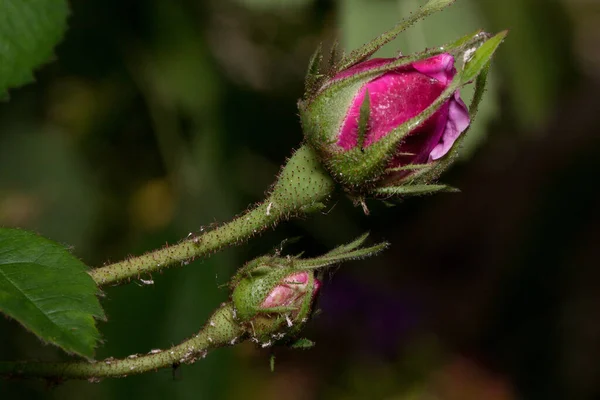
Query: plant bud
273, 296
352, 112
385, 126
274, 302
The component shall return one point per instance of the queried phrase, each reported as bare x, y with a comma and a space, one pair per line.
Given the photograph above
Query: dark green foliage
48, 290
29, 31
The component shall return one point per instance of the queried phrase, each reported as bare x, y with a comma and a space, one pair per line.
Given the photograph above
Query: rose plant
373, 127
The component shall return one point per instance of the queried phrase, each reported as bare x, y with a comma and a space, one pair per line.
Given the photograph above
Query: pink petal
297, 278
278, 297
416, 148
458, 122
395, 98
316, 287
440, 67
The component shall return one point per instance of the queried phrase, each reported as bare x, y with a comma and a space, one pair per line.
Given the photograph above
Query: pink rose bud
291, 291
273, 303
399, 95
273, 296
344, 126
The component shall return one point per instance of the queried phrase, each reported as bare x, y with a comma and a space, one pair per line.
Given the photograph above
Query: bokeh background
159, 117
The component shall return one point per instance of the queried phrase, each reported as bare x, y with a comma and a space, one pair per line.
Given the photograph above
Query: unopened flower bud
273, 296
352, 112
274, 302
290, 292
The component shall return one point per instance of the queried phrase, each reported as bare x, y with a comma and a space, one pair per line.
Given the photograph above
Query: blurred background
160, 117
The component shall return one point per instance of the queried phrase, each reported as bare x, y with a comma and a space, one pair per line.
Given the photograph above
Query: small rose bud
290, 292
273, 296
274, 302
352, 112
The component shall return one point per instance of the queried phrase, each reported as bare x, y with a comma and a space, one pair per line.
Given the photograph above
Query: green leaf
368, 49
48, 290
29, 31
482, 57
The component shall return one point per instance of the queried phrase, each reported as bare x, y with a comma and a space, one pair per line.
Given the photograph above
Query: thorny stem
221, 330
302, 187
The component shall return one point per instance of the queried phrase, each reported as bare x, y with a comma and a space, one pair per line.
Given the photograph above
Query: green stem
221, 330
302, 187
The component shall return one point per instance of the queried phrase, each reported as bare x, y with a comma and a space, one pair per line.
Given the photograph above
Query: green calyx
362, 171
251, 287
255, 281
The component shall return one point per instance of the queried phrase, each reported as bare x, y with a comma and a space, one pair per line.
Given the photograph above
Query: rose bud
349, 116
290, 292
274, 303
273, 296
386, 126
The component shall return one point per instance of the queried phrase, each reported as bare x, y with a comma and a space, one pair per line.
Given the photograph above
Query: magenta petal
440, 67
458, 122
297, 278
395, 98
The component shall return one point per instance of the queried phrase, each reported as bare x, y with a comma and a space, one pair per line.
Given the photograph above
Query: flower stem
302, 187
221, 330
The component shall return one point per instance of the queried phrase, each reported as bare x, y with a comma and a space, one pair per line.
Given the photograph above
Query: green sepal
368, 49
480, 85
363, 120
330, 259
356, 243
409, 167
482, 56
333, 58
313, 74
414, 190
250, 292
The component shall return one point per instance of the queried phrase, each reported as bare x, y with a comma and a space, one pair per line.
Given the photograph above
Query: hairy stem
302, 187
241, 228
221, 330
